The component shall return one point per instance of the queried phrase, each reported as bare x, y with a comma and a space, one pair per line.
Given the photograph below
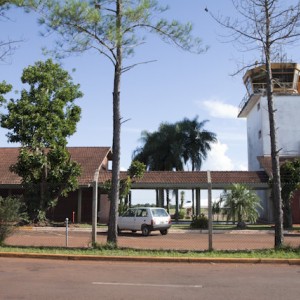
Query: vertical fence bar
67, 232
210, 224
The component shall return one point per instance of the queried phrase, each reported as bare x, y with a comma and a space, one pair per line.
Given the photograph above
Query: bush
199, 222
11, 212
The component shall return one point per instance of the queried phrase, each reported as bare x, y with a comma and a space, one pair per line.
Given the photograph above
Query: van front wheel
145, 230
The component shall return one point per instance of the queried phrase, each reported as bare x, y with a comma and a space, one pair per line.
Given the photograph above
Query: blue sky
177, 85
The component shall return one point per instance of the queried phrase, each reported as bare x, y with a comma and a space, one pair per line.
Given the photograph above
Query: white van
146, 219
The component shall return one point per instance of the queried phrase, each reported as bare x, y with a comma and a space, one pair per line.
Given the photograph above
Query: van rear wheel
164, 231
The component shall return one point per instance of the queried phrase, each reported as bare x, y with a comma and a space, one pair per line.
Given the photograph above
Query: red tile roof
90, 158
188, 180
8, 156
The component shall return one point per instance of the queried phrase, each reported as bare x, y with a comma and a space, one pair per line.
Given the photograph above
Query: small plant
199, 222
11, 213
181, 214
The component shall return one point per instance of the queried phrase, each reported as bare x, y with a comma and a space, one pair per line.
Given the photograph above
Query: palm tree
174, 145
196, 142
161, 150
240, 204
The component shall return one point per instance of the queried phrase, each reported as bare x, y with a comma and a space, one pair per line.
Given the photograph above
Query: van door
141, 218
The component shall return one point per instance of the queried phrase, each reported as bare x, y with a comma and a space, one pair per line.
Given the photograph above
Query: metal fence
180, 237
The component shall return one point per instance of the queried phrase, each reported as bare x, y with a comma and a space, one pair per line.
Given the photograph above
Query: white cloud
218, 160
220, 109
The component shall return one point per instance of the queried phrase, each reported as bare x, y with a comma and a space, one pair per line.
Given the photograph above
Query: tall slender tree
266, 26
114, 29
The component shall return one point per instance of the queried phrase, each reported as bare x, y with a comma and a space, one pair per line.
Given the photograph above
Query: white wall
255, 146
287, 121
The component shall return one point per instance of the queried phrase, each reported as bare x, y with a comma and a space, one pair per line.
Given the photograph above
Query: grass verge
102, 250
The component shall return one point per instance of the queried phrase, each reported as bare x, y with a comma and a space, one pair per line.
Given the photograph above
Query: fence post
67, 232
94, 208
210, 224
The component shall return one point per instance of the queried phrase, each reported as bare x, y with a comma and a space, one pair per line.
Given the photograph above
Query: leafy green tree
11, 212
135, 172
41, 121
114, 28
240, 204
4, 88
290, 182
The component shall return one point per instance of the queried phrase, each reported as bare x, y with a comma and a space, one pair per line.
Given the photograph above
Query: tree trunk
161, 197
112, 235
273, 139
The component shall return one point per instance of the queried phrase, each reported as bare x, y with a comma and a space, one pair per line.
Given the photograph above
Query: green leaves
4, 88
46, 113
41, 120
290, 182
86, 25
11, 212
135, 171
240, 204
173, 145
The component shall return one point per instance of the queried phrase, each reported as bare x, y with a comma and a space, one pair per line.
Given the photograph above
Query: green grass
286, 253
233, 227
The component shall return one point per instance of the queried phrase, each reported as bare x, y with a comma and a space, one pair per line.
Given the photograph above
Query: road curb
274, 261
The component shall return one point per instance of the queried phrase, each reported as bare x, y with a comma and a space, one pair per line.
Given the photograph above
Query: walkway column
198, 202
79, 205
176, 206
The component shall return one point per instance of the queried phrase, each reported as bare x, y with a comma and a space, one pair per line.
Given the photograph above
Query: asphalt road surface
54, 279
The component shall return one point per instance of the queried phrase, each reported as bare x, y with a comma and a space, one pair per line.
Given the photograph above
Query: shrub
11, 212
199, 222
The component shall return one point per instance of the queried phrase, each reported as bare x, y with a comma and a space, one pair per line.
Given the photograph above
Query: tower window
258, 106
259, 134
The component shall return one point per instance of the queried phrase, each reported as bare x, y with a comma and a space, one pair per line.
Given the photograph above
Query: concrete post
210, 224
94, 207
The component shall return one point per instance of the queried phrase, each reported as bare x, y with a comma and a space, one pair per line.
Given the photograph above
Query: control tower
254, 107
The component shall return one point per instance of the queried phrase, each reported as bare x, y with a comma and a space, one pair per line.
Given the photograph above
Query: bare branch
125, 69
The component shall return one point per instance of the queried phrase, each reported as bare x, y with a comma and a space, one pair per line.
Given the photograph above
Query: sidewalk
148, 259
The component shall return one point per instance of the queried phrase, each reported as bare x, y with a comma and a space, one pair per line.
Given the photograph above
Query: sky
177, 85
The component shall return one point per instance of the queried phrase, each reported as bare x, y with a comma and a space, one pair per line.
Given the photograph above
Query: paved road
50, 279
177, 240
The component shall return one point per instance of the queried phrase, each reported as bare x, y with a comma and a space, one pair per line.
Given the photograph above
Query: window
258, 106
259, 134
129, 213
141, 213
